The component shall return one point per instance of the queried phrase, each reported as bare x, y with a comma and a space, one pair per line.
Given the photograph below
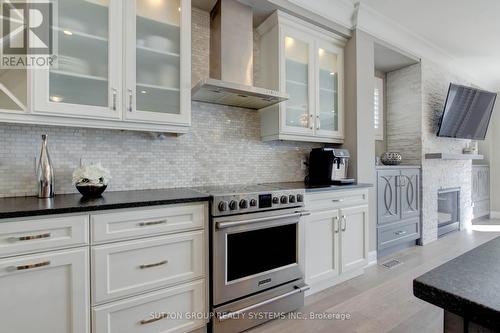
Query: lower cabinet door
321, 246
353, 237
175, 310
45, 293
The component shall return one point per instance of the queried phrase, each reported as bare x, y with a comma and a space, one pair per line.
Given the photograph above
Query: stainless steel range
255, 273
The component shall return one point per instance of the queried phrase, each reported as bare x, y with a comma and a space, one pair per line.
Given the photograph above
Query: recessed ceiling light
67, 32
144, 92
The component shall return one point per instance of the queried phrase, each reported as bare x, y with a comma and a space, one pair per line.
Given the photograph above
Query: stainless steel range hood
231, 61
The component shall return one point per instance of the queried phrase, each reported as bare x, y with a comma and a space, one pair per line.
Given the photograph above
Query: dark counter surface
319, 188
468, 286
74, 203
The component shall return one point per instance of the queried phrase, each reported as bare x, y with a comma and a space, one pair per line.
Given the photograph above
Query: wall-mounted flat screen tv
467, 113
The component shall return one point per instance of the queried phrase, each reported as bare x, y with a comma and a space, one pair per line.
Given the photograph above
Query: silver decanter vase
45, 172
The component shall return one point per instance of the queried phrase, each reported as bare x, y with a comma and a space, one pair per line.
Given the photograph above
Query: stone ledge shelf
445, 156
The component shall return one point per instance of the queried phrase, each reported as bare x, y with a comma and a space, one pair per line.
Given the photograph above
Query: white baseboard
372, 258
495, 215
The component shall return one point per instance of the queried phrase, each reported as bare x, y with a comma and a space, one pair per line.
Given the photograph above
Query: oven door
254, 252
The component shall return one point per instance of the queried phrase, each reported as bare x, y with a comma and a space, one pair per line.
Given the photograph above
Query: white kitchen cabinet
125, 268
121, 64
173, 310
45, 293
322, 239
307, 63
335, 246
151, 259
86, 80
158, 61
354, 238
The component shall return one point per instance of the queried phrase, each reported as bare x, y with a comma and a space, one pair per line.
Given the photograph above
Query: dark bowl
91, 191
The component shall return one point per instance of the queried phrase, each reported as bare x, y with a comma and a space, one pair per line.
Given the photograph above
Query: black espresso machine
329, 166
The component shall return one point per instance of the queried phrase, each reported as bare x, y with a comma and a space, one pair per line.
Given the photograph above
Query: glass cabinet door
156, 86
328, 115
83, 81
298, 116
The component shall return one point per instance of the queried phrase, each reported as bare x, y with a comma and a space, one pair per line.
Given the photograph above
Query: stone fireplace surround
415, 101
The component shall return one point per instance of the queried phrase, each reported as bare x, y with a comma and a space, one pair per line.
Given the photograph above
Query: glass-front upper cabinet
298, 62
157, 83
85, 80
306, 62
329, 98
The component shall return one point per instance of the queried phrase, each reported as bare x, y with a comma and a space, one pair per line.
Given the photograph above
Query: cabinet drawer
132, 267
20, 236
153, 312
320, 201
398, 233
146, 222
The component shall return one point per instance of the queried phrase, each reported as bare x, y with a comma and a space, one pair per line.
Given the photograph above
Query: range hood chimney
231, 61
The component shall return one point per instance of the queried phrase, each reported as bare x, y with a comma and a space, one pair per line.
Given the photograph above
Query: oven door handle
225, 225
233, 314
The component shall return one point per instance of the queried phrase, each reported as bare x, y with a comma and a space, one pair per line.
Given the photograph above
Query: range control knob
276, 200
222, 206
233, 205
300, 198
253, 203
243, 204
284, 199
291, 198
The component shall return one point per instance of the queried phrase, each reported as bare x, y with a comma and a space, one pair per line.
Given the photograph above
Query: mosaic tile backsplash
223, 147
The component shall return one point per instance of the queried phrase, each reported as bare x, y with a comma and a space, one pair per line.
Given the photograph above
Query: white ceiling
467, 30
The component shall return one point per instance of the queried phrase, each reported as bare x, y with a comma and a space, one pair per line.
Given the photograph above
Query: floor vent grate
391, 263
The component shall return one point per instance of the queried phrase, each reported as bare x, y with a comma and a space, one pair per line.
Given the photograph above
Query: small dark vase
91, 191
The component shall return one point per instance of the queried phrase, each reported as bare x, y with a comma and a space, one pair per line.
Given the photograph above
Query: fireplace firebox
448, 211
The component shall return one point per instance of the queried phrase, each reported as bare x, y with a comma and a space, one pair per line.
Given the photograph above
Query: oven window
257, 251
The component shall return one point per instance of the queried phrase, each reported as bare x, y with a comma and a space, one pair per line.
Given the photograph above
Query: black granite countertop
319, 188
74, 203
468, 286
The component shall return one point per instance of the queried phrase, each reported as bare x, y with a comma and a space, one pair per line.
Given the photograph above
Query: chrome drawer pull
26, 267
224, 225
338, 200
161, 263
149, 224
399, 233
29, 238
336, 226
344, 218
152, 320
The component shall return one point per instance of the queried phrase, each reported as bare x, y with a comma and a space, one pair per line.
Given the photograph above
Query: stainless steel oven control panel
231, 204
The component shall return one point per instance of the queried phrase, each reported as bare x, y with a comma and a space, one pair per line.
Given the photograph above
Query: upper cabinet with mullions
306, 62
121, 64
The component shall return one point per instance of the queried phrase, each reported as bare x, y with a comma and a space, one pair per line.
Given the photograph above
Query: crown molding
338, 11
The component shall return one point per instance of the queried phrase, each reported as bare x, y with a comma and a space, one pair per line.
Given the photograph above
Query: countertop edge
113, 206
338, 188
456, 304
